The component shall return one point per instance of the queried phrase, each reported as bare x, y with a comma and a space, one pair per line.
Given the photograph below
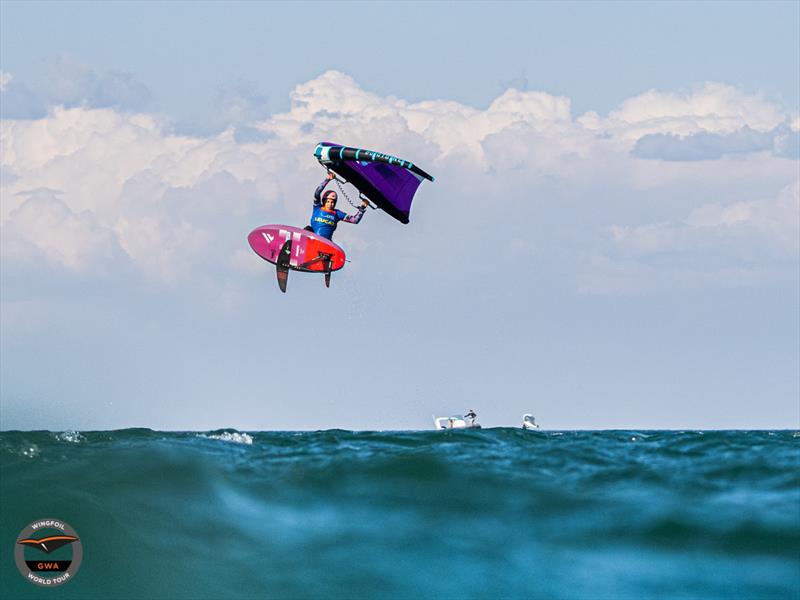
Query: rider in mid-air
324, 215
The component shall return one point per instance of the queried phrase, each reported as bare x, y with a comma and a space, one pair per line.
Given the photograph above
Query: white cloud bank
733, 245
85, 187
5, 79
770, 225
713, 108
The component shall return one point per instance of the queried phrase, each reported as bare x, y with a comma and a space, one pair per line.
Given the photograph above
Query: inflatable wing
387, 181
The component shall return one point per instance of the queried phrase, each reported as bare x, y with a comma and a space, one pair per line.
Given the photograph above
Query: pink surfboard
297, 249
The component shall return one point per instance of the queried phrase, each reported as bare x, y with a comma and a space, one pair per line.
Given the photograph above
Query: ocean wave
342, 513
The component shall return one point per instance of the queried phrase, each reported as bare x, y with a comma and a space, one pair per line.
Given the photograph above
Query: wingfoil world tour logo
48, 552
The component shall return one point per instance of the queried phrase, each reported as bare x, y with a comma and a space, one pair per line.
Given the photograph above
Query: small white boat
528, 422
456, 422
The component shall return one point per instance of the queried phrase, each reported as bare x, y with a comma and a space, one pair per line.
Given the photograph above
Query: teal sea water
466, 514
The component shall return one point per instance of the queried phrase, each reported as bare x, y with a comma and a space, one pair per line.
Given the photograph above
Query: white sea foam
230, 436
73, 437
31, 451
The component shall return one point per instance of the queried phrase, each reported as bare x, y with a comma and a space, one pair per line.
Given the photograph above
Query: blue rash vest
324, 222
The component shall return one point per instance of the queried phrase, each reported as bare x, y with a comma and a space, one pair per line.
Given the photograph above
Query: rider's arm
354, 219
320, 187
318, 192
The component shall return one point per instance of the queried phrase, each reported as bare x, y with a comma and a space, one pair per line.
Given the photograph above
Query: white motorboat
455, 422
528, 422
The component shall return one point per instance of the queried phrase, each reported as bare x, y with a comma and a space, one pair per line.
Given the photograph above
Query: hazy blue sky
595, 53
612, 240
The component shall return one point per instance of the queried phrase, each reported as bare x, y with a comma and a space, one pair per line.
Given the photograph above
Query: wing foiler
387, 182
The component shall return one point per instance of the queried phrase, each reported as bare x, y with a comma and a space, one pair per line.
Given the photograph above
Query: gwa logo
267, 237
48, 547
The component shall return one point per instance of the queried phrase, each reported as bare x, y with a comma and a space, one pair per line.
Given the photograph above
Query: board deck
306, 246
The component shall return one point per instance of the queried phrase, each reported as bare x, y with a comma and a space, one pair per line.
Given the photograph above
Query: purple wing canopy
389, 182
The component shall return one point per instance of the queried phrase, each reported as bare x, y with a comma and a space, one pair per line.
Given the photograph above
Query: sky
612, 239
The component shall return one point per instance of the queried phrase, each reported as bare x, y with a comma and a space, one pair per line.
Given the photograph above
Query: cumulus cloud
236, 106
713, 107
71, 83
19, 101
241, 102
334, 100
701, 146
74, 83
5, 78
736, 244
520, 82
46, 225
709, 122
786, 141
782, 141
178, 207
771, 225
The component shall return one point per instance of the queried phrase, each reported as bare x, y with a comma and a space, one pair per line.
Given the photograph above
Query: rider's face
330, 201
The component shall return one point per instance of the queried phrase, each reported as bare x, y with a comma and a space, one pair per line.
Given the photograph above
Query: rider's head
329, 200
